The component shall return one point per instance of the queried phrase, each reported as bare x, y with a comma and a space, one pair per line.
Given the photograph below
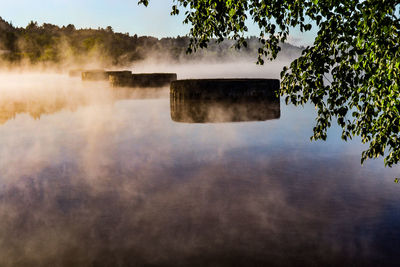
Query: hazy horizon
124, 16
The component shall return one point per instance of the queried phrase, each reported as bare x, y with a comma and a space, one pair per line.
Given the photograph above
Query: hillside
52, 44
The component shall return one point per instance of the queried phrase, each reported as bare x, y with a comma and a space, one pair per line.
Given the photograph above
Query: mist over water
205, 69
94, 176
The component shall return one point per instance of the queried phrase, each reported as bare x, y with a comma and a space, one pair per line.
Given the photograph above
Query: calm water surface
95, 177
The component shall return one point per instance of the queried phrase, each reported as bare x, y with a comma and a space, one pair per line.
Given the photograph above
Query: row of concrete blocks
198, 100
127, 78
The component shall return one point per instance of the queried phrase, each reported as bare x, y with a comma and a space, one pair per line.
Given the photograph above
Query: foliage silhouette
50, 43
351, 73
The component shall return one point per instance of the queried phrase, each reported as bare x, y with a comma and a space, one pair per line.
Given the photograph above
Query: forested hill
50, 44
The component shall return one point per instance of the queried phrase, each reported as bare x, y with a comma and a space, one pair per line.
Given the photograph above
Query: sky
124, 16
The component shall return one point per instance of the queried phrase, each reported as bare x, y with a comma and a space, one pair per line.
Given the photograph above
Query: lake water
91, 176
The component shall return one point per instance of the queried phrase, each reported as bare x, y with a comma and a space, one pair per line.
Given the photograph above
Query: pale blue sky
122, 15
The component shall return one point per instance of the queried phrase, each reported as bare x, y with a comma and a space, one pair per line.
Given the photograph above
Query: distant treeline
51, 44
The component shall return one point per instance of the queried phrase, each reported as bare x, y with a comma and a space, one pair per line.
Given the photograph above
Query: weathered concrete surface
123, 79
214, 89
101, 75
120, 78
94, 75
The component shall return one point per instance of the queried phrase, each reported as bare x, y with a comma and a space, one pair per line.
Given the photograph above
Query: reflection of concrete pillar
210, 111
233, 100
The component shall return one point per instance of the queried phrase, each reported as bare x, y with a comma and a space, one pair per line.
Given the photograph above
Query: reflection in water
203, 111
218, 212
52, 98
224, 100
122, 185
